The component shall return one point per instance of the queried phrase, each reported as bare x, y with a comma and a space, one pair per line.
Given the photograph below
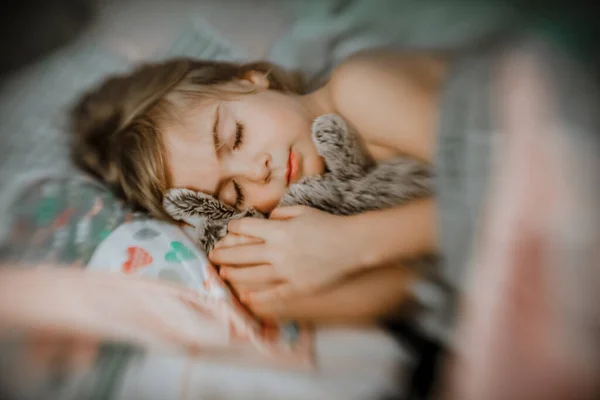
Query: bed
51, 214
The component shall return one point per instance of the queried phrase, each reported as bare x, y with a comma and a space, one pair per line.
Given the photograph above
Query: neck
318, 102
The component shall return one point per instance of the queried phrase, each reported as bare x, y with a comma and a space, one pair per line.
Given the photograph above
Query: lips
292, 167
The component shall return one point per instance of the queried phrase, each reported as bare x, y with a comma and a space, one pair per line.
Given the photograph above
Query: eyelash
239, 194
239, 135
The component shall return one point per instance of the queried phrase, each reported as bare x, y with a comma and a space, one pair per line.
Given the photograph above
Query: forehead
189, 147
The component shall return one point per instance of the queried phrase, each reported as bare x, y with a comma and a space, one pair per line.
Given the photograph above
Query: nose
260, 170
257, 169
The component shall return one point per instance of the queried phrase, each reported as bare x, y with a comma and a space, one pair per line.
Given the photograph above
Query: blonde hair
116, 133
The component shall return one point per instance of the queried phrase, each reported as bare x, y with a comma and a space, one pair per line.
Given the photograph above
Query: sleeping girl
242, 134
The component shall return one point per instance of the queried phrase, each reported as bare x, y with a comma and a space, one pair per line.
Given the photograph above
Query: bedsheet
137, 309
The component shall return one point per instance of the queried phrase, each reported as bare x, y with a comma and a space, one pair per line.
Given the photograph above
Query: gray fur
352, 184
207, 215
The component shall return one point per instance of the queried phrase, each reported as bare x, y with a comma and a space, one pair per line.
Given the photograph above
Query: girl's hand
299, 250
233, 239
242, 286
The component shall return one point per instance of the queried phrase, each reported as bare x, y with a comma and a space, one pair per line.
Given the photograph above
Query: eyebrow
215, 129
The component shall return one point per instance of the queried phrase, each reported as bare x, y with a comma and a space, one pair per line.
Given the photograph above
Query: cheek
193, 166
278, 127
315, 164
264, 199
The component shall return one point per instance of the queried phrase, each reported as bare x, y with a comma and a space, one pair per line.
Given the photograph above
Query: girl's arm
388, 236
309, 249
359, 299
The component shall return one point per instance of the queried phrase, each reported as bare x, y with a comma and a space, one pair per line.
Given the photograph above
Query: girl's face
245, 151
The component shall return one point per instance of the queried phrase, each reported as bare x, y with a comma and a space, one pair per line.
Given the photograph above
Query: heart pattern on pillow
179, 252
137, 258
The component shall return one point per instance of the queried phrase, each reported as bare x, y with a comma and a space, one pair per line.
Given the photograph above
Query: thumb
287, 212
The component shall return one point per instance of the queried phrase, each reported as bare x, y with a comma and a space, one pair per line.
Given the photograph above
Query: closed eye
239, 195
239, 135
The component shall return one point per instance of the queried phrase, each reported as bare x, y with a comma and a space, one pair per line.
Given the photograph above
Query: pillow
76, 221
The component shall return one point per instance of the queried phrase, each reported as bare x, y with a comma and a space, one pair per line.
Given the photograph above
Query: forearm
360, 299
387, 236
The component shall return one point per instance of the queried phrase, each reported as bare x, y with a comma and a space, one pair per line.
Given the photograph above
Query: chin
315, 165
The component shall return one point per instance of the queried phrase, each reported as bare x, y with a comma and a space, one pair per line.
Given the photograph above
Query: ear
192, 207
180, 205
256, 78
185, 204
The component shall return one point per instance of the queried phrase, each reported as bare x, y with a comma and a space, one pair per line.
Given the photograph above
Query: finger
236, 240
243, 289
269, 311
248, 254
254, 227
276, 293
259, 274
287, 212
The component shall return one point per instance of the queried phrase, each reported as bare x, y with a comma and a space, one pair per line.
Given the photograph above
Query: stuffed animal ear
193, 207
340, 147
208, 216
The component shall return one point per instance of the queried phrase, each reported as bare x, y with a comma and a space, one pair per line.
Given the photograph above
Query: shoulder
383, 70
386, 95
